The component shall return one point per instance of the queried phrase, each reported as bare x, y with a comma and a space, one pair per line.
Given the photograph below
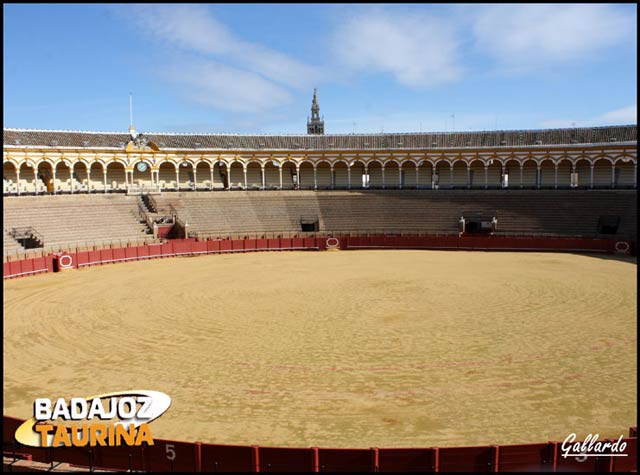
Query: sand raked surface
339, 349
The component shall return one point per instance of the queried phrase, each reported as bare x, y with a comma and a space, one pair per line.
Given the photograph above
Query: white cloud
624, 116
223, 87
193, 27
523, 37
417, 49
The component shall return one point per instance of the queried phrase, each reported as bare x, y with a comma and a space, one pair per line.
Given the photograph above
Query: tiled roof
508, 138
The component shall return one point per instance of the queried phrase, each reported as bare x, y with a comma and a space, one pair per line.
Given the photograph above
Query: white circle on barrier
332, 242
65, 261
622, 246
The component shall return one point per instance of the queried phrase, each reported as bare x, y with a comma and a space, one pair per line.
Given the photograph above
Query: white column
264, 183
315, 178
280, 171
298, 176
348, 176
383, 180
366, 172
538, 177
18, 179
53, 174
400, 176
244, 171
73, 179
89, 179
195, 177
613, 175
591, 177
555, 176
451, 173
211, 167
104, 178
331, 176
468, 175
486, 176
178, 176
572, 183
521, 175
417, 177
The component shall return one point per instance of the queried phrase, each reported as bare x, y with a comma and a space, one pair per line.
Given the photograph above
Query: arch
116, 177
96, 176
167, 176
460, 176
625, 173
220, 175
529, 173
45, 177
374, 168
186, 178
424, 177
79, 178
203, 175
341, 174
305, 180
393, 175
476, 173
512, 177
359, 180
602, 172
442, 175
547, 173
254, 176
271, 175
289, 172
583, 173
142, 179
27, 178
565, 168
235, 175
62, 181
9, 178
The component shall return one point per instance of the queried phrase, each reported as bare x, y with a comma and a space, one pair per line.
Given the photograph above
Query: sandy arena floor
339, 349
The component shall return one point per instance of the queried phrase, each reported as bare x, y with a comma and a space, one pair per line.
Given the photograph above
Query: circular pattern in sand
339, 349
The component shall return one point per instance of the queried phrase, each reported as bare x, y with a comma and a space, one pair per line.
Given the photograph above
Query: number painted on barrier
171, 454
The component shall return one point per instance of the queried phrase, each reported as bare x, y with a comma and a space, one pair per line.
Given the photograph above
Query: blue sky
252, 68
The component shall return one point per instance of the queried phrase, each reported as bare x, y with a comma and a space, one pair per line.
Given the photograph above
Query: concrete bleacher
77, 221
519, 212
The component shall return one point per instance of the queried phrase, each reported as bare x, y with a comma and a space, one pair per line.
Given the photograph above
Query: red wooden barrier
407, 460
250, 244
262, 244
106, 255
121, 458
27, 266
213, 246
199, 247
346, 460
226, 245
275, 459
119, 254
228, 458
273, 243
630, 462
467, 459
285, 243
170, 456
525, 458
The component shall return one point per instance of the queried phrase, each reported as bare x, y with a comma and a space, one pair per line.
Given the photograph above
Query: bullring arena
446, 302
